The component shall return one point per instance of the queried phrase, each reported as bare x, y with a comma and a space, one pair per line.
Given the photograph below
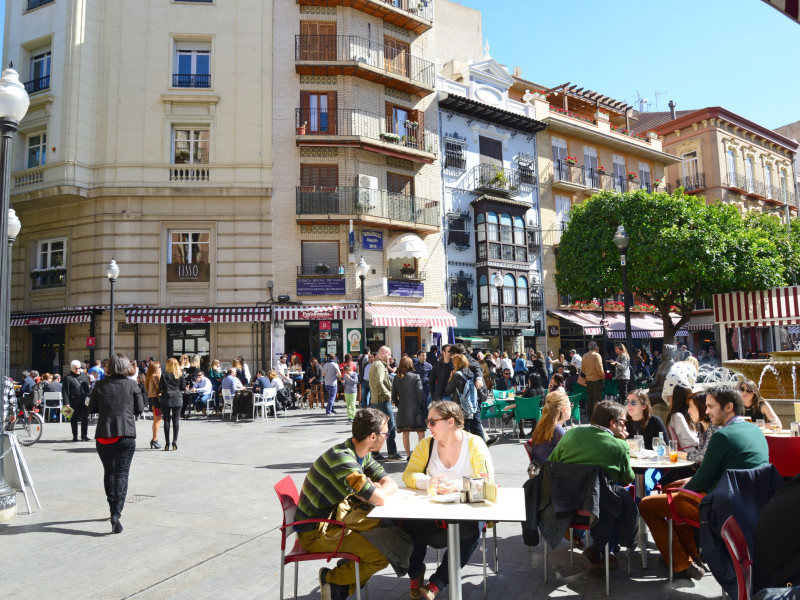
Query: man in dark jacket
480, 385
26, 389
423, 368
74, 391
440, 373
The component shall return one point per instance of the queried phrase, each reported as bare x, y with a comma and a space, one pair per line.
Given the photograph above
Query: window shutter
305, 108
315, 253
491, 151
332, 113
319, 176
390, 127
418, 116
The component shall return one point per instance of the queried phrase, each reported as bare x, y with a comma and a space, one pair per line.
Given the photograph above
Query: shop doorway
48, 349
411, 342
188, 340
314, 338
297, 340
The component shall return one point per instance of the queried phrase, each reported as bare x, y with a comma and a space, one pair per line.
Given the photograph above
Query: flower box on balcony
632, 176
390, 137
601, 115
302, 129
322, 268
571, 160
652, 135
407, 270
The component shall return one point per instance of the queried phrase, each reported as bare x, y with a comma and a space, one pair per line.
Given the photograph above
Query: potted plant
652, 135
407, 269
571, 160
302, 129
601, 169
320, 268
657, 182
390, 137
498, 179
632, 176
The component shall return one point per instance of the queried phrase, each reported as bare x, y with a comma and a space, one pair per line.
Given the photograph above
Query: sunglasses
433, 422
745, 390
632, 403
383, 433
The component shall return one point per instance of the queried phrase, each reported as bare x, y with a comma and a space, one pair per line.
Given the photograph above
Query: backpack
469, 397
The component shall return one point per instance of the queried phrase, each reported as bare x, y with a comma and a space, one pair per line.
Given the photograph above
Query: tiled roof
651, 120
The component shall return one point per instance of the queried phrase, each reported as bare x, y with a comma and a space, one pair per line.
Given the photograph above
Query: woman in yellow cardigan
448, 455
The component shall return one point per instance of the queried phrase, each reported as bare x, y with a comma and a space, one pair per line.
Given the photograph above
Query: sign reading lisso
192, 272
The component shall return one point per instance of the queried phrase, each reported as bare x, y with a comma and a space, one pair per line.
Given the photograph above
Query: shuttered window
395, 55
319, 176
399, 184
320, 253
318, 112
317, 40
491, 151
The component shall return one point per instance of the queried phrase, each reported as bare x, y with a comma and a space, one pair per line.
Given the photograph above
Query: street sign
90, 342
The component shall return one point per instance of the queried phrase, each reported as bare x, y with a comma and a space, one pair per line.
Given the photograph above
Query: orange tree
681, 250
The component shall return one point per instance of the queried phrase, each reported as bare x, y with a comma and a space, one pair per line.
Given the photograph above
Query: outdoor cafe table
415, 504
640, 464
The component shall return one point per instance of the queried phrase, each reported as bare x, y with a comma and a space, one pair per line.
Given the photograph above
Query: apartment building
356, 175
588, 146
492, 224
148, 140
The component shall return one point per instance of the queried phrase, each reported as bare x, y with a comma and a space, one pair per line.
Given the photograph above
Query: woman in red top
118, 400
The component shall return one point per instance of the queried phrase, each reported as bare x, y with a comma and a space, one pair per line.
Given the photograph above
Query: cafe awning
643, 325
314, 313
410, 316
60, 317
237, 314
764, 308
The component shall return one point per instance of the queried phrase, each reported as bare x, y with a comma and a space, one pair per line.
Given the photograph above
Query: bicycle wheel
29, 430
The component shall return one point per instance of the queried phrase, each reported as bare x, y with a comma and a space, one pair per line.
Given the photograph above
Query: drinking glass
760, 423
639, 444
433, 483
673, 451
776, 426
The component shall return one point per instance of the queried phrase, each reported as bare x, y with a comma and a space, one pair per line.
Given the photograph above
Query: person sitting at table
735, 445
755, 406
216, 375
283, 370
533, 390
346, 468
681, 428
557, 383
702, 423
641, 421
550, 428
202, 392
448, 455
261, 382
505, 383
603, 445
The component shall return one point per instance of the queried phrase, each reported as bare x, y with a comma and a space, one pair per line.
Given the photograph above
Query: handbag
581, 380
354, 513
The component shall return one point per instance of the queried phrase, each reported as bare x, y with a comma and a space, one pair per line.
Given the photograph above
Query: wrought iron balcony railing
49, 278
692, 182
735, 181
495, 180
534, 241
189, 80
356, 122
320, 270
38, 85
351, 48
340, 200
406, 273
569, 172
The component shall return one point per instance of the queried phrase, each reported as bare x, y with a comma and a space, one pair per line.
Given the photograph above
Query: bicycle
27, 426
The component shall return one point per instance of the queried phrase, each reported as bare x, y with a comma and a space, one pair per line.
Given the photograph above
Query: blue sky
733, 53
740, 54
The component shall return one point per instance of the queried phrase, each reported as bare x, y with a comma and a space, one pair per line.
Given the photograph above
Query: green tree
681, 250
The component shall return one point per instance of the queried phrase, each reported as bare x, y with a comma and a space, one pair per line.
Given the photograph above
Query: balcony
411, 273
368, 131
692, 183
189, 80
489, 179
534, 242
568, 176
319, 270
736, 182
37, 85
36, 4
413, 15
376, 208
359, 57
514, 317
45, 279
461, 302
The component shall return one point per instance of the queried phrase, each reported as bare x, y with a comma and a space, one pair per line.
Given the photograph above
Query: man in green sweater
736, 445
603, 445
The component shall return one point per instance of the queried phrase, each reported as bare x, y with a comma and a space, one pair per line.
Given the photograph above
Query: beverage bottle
660, 447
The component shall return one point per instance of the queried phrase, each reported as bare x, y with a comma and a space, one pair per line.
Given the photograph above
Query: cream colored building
356, 144
148, 140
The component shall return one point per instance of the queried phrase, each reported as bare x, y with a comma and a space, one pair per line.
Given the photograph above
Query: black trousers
172, 416
116, 459
623, 385
81, 414
473, 425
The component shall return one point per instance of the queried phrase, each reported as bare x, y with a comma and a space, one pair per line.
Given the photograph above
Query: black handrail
191, 80
495, 179
569, 172
37, 85
341, 200
692, 182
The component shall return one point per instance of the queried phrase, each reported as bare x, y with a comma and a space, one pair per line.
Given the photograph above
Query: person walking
592, 364
74, 391
408, 396
364, 364
330, 378
622, 368
172, 386
151, 387
380, 391
350, 382
118, 400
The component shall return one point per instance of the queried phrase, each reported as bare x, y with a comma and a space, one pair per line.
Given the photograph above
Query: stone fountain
776, 379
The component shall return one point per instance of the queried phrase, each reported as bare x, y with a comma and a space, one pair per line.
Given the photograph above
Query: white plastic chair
269, 400
227, 402
50, 401
258, 402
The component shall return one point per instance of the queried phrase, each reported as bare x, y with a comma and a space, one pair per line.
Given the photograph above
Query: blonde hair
236, 364
151, 369
184, 361
173, 367
554, 406
624, 350
460, 362
272, 375
693, 361
195, 361
449, 410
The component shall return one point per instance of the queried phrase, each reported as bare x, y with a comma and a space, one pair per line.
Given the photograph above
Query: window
37, 150
458, 233
190, 146
192, 65
591, 163
317, 41
519, 231
768, 180
50, 271
509, 290
461, 293
405, 123
690, 167
527, 170
749, 173
318, 111
37, 3
322, 177
399, 184
644, 175
493, 227
491, 151
522, 290
559, 147
396, 56
320, 257
40, 73
731, 162
188, 247
483, 289
619, 172
455, 153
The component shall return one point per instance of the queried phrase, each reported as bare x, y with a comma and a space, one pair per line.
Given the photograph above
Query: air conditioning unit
368, 193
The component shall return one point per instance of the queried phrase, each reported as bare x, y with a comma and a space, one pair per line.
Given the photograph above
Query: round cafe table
648, 460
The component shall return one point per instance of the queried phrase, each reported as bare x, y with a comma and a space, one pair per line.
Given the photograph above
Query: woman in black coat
118, 400
171, 386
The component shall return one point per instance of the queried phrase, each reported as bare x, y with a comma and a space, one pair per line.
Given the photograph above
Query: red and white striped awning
764, 308
410, 316
314, 313
238, 314
643, 325
61, 317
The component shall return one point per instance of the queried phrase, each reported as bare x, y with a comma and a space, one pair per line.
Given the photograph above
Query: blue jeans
332, 391
386, 408
365, 394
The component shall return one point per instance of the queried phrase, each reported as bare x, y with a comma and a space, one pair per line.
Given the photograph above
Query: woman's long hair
554, 407
757, 399
680, 403
644, 400
151, 370
623, 349
460, 362
173, 368
406, 365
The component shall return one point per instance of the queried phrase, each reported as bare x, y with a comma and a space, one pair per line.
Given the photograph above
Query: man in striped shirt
345, 469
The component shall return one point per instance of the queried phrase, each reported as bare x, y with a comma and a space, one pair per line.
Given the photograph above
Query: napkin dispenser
474, 486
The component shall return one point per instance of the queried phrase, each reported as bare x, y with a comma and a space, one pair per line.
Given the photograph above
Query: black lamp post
622, 240
497, 280
14, 104
112, 272
362, 268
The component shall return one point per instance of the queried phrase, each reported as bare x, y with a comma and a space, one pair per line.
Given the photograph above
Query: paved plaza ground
203, 522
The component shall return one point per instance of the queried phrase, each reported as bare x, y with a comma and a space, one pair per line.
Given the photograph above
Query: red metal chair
583, 527
784, 453
740, 555
678, 519
288, 496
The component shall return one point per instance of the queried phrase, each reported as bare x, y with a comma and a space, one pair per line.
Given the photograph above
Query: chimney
672, 110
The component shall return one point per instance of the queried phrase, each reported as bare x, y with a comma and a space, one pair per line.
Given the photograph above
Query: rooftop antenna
641, 102
658, 93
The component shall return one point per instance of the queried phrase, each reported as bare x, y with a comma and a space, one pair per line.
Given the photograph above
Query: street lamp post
14, 104
112, 272
362, 268
622, 240
497, 280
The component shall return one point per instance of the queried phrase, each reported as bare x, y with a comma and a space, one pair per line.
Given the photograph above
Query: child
350, 381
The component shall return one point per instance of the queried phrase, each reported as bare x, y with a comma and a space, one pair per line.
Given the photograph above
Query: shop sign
553, 331
332, 347
34, 321
354, 341
405, 289
321, 286
193, 272
196, 319
372, 240
90, 341
314, 315
324, 325
375, 287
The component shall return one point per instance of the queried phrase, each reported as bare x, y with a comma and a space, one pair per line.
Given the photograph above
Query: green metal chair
493, 409
610, 388
575, 415
527, 408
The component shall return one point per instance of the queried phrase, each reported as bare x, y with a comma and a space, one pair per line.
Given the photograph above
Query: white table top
415, 504
648, 460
